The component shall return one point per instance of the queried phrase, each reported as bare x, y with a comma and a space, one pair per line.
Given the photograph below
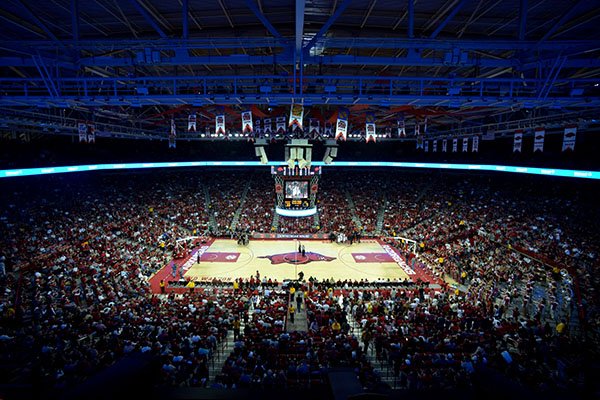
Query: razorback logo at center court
297, 258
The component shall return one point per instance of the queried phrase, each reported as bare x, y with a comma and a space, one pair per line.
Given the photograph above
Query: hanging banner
192, 122
296, 115
342, 124
172, 134
489, 135
517, 140
419, 142
426, 146
475, 144
314, 129
82, 129
569, 138
280, 126
417, 128
370, 128
220, 124
435, 146
257, 126
247, 126
388, 132
91, 133
268, 126
444, 145
401, 127
538, 143
425, 127
454, 145
465, 147
328, 130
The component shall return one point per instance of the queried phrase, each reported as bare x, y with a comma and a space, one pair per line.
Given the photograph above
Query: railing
552, 263
275, 86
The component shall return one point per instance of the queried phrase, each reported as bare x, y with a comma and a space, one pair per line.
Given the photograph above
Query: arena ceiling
131, 65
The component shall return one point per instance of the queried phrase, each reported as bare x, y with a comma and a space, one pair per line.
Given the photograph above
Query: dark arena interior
299, 199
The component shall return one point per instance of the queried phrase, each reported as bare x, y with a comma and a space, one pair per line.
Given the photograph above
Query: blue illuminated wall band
568, 173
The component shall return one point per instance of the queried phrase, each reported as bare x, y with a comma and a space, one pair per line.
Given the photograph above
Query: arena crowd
512, 286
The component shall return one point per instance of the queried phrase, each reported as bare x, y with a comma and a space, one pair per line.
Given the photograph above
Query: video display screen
296, 189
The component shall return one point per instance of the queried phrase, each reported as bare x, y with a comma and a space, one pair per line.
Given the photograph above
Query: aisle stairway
212, 222
381, 365
275, 223
355, 218
300, 323
225, 348
381, 215
236, 216
316, 220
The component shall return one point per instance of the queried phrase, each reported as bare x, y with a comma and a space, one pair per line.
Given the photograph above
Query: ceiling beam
184, 59
327, 25
263, 19
148, 18
522, 19
565, 17
75, 19
445, 22
369, 11
411, 18
38, 21
184, 11
300, 4
226, 13
110, 45
17, 21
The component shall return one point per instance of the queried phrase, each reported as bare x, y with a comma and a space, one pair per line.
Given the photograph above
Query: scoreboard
296, 190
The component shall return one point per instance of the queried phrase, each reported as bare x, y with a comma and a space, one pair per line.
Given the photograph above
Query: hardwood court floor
342, 266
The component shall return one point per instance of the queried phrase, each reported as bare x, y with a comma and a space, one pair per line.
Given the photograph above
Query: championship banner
444, 145
425, 127
426, 146
454, 145
192, 122
419, 142
172, 134
268, 126
247, 126
435, 146
518, 140
328, 129
91, 133
220, 124
314, 128
388, 131
257, 126
489, 135
401, 127
370, 128
82, 129
538, 143
475, 145
569, 138
280, 126
417, 128
296, 115
465, 147
342, 124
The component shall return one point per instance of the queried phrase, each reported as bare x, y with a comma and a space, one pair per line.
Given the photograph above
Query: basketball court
279, 259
